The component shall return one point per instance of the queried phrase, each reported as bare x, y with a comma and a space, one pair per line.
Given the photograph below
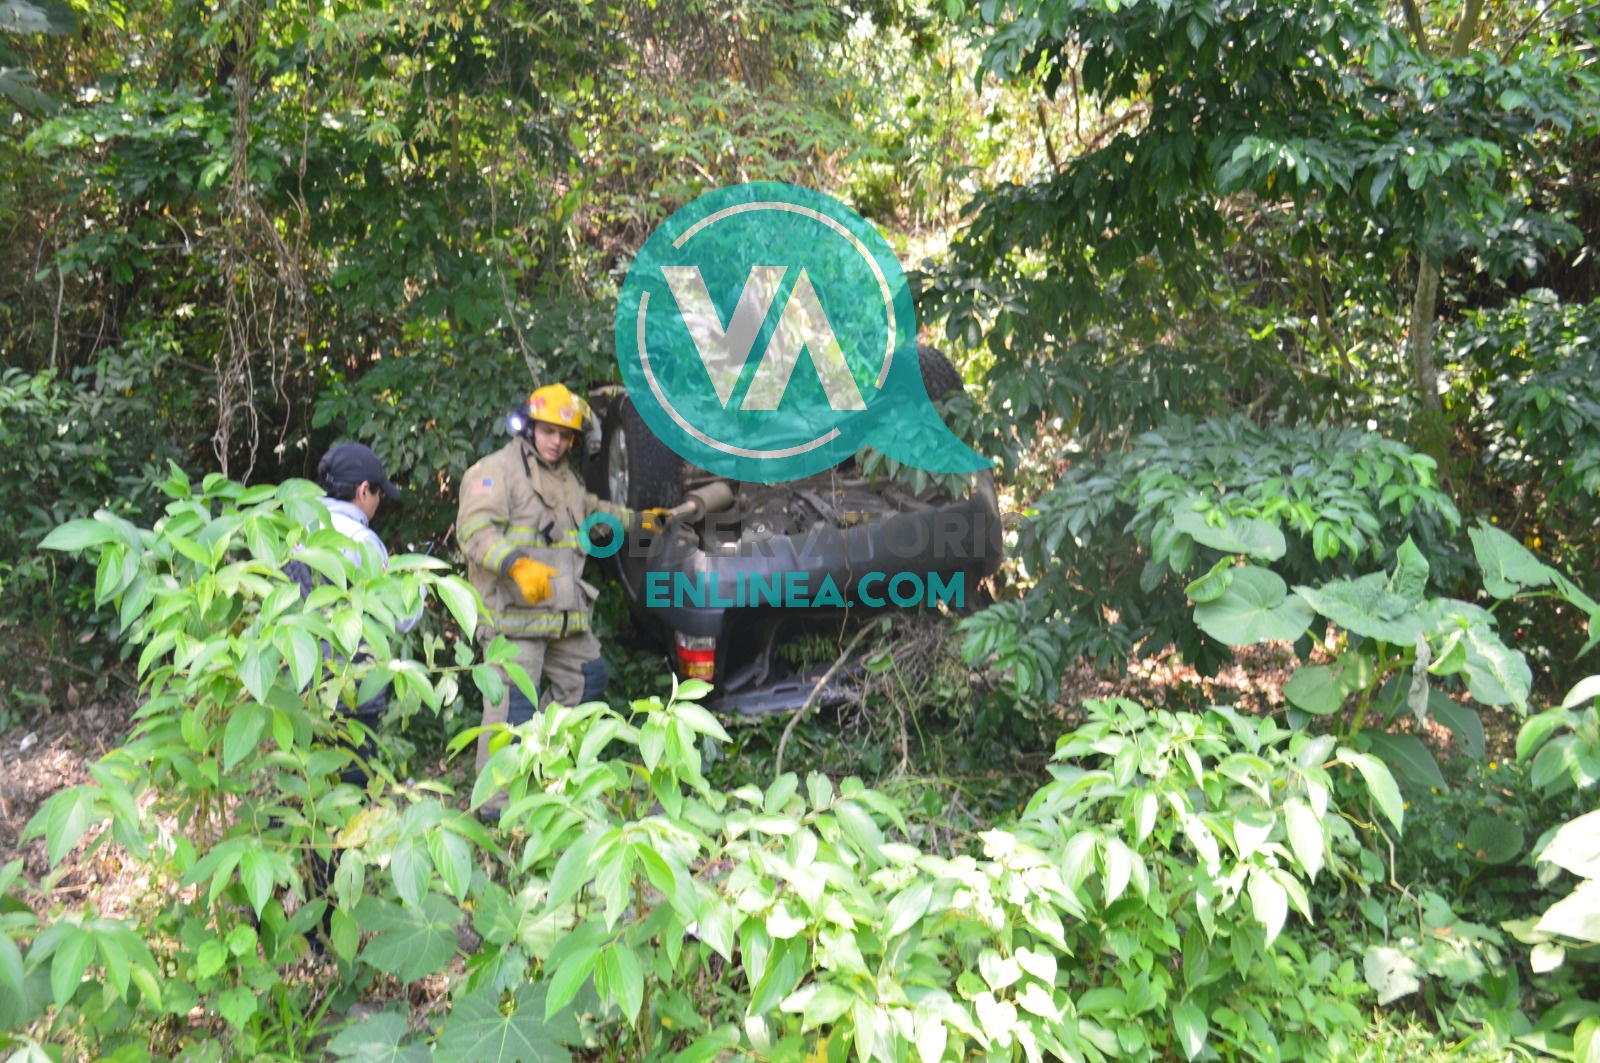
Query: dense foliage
630, 875
1192, 259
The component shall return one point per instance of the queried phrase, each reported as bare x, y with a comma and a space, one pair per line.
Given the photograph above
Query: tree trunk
1423, 369
1423, 303
1467, 31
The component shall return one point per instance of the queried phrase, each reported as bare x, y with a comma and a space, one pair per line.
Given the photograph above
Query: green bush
1107, 552
1534, 367
1136, 909
68, 447
1563, 746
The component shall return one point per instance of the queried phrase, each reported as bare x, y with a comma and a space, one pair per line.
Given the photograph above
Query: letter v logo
725, 348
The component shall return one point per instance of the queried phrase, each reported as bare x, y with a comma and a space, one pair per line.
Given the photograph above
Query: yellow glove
533, 579
654, 520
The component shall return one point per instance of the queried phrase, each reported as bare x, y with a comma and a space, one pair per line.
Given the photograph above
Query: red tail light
697, 656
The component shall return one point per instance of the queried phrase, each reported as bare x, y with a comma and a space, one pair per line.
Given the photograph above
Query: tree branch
1044, 134
811, 699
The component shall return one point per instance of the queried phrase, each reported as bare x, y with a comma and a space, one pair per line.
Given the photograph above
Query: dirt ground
52, 752
1254, 683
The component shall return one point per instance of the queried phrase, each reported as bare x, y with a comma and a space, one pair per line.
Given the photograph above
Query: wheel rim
617, 466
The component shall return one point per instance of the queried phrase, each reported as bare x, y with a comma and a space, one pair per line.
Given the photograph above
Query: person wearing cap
518, 524
355, 482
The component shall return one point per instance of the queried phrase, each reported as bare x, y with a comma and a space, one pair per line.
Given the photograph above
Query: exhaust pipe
714, 497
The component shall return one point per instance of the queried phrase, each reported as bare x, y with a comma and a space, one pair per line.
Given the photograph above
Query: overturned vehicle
744, 568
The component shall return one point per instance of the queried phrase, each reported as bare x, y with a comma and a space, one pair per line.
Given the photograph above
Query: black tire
939, 376
653, 473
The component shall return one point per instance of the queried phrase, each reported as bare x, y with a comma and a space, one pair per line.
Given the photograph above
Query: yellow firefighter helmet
556, 404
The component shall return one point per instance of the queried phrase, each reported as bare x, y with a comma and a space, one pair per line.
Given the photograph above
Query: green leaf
1407, 753
453, 859
1366, 607
1546, 957
210, 958
243, 733
332, 566
410, 865
1575, 916
11, 972
1250, 536
1321, 689
1495, 673
908, 906
1269, 901
716, 926
1379, 783
691, 690
237, 1005
490, 685
1461, 720
462, 601
71, 959
785, 966
1508, 566
1305, 835
409, 943
1189, 1021
1255, 608
63, 820
304, 657
708, 1047
573, 870
1209, 588
859, 827
700, 720
255, 871
379, 1039
345, 934
625, 979
570, 974
109, 577
1536, 729
478, 1031
1575, 847
77, 535
1410, 577
1391, 973
1494, 838
997, 1018
1452, 656
1583, 694
826, 1005
781, 923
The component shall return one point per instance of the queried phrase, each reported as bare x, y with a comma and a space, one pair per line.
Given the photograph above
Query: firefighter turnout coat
513, 506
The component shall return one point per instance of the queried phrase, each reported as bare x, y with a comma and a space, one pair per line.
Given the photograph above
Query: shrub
1109, 550
1135, 909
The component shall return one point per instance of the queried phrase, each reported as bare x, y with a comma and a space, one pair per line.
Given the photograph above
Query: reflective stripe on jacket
513, 506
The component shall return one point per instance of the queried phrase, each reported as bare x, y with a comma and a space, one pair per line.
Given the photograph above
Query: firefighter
518, 524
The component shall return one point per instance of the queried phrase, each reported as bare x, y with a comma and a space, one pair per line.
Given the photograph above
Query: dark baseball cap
350, 464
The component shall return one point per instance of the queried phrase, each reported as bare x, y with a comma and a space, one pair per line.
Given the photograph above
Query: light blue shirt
351, 522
